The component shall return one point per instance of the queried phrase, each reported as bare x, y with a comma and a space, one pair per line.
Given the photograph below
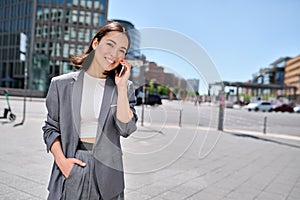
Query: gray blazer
63, 121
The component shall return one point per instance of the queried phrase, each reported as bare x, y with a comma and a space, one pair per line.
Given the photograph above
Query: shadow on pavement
265, 139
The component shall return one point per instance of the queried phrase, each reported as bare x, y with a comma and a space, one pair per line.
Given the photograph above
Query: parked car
260, 105
283, 108
151, 99
297, 109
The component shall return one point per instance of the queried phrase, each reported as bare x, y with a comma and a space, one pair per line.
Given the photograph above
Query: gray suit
63, 121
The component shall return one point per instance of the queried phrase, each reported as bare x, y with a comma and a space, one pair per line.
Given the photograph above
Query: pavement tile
279, 189
189, 188
295, 192
244, 191
292, 198
134, 195
170, 195
156, 188
270, 196
4, 189
16, 195
241, 195
205, 196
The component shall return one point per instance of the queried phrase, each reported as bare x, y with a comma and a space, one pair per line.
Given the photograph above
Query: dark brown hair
77, 60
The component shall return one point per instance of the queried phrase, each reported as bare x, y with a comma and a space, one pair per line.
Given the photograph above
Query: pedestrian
88, 111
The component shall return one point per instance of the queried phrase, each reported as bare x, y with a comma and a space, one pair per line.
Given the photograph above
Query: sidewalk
166, 163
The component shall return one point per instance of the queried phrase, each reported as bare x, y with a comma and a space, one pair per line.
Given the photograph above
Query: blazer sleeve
51, 127
126, 129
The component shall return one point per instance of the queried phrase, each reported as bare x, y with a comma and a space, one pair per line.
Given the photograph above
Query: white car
260, 105
297, 109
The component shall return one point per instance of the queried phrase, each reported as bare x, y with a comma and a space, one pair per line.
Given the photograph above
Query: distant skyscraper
55, 29
194, 84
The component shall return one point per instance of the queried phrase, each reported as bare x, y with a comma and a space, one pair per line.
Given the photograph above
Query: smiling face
110, 50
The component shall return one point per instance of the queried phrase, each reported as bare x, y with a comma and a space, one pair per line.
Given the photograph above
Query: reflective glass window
88, 18
81, 35
96, 19
81, 17
82, 3
67, 33
89, 4
73, 33
102, 19
96, 4
103, 2
66, 50
74, 15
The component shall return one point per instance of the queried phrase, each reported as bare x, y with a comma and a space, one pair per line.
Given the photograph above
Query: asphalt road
234, 119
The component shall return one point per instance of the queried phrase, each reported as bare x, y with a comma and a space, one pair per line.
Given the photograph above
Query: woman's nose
114, 53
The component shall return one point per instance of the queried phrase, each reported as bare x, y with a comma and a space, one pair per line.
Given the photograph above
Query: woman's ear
95, 43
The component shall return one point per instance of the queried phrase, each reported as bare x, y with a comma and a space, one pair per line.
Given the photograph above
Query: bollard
180, 116
265, 124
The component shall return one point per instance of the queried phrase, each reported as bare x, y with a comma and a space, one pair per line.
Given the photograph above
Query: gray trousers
81, 183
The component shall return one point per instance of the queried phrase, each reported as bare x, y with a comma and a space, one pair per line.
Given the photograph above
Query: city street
163, 160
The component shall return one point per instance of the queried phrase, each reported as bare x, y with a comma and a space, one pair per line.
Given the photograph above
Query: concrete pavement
164, 161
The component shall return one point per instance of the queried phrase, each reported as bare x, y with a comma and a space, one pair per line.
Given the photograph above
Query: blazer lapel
76, 100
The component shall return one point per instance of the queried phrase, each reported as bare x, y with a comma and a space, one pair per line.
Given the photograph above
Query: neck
95, 71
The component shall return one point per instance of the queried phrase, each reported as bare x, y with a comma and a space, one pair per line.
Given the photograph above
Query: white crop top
92, 94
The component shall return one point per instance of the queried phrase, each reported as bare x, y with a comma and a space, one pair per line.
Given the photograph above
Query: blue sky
239, 36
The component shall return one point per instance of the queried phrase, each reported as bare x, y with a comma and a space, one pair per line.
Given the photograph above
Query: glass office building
54, 29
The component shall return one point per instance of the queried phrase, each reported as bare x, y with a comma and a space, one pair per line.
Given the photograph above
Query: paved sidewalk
165, 163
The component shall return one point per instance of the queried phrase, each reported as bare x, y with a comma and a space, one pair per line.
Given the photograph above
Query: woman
88, 111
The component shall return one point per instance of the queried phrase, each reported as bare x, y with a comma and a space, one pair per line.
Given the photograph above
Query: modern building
194, 84
54, 29
273, 75
292, 76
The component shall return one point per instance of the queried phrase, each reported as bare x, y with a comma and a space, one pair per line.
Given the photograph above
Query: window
82, 3
102, 20
102, 7
67, 33
57, 49
81, 17
88, 18
81, 35
96, 19
96, 4
89, 4
74, 16
66, 51
87, 35
73, 33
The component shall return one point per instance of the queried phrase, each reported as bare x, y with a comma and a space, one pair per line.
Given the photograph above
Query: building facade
292, 76
55, 29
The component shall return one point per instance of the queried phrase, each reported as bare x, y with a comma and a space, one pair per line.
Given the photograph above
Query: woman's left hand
121, 81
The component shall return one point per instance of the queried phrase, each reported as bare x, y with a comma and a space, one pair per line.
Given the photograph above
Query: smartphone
121, 70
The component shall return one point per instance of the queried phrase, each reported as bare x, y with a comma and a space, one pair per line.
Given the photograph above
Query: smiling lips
112, 63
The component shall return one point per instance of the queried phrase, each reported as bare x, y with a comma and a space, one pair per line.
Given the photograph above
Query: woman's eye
123, 51
110, 44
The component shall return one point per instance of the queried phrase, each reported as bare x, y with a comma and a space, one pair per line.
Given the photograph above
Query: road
234, 119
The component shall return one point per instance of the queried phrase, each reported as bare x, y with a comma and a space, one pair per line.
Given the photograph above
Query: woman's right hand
65, 165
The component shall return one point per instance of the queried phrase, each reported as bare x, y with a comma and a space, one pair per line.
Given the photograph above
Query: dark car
150, 99
283, 108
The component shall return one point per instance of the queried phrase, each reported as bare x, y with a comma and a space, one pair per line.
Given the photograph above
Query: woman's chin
111, 66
